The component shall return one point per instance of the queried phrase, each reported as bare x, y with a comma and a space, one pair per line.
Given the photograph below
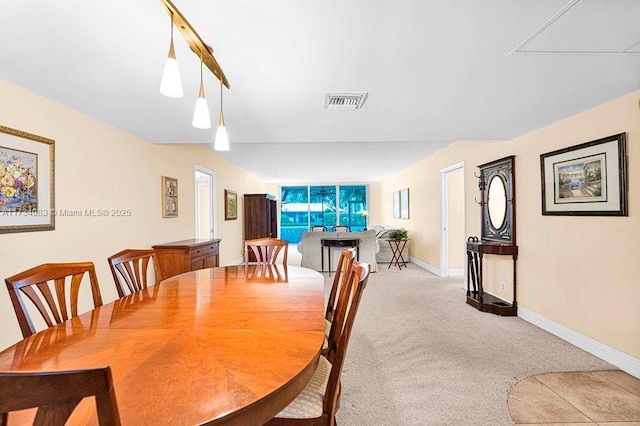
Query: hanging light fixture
222, 139
171, 84
171, 75
201, 118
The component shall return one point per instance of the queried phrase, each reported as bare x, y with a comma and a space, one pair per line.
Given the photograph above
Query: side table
337, 242
396, 249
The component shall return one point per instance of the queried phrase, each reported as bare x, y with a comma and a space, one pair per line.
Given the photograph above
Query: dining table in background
227, 345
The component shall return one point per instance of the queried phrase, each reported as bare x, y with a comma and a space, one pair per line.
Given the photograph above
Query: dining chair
318, 403
34, 284
130, 269
265, 251
317, 229
56, 394
343, 268
342, 228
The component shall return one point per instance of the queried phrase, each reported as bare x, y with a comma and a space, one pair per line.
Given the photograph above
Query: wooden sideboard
187, 255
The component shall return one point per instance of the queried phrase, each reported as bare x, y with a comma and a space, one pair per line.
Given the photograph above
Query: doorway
453, 220
205, 202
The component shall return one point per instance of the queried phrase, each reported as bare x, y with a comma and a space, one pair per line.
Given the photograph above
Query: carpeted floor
419, 355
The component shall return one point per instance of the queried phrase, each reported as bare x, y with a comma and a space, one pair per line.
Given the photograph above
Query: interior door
452, 249
205, 203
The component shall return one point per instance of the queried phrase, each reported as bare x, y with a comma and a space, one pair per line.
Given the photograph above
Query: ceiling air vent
346, 100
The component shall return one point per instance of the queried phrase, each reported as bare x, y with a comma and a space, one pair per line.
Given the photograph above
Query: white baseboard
613, 356
436, 271
239, 261
426, 266
456, 272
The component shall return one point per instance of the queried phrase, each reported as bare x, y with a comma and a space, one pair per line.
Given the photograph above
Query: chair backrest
34, 283
318, 229
348, 303
343, 268
266, 250
130, 269
56, 394
342, 228
267, 272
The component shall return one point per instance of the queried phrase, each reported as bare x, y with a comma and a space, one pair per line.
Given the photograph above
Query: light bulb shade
201, 118
222, 140
171, 84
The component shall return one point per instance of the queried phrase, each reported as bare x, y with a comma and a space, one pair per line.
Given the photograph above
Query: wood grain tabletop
226, 345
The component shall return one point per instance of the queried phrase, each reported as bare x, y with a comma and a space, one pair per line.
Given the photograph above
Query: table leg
401, 258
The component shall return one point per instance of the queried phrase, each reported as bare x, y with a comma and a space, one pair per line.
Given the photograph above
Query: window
353, 201
327, 205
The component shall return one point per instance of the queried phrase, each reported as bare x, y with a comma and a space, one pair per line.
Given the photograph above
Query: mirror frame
505, 169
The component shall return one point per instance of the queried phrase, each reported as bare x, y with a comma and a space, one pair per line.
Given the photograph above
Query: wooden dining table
227, 345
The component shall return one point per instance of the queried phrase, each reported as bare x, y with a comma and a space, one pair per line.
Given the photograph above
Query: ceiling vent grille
346, 100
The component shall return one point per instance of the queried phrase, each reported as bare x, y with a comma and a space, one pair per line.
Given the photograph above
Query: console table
396, 249
476, 297
187, 255
337, 242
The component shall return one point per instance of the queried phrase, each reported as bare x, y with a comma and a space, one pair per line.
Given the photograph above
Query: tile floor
609, 398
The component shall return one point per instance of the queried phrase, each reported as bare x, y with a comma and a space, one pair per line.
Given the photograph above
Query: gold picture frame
27, 182
169, 197
230, 205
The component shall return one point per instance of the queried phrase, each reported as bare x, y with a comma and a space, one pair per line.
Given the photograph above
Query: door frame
444, 209
212, 197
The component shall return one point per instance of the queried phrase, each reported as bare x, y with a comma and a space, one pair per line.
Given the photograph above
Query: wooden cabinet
260, 216
187, 255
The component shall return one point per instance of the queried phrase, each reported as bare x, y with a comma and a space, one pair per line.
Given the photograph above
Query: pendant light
201, 118
171, 84
222, 139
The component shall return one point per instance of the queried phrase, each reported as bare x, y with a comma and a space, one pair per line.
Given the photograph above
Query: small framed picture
396, 204
169, 197
230, 205
404, 203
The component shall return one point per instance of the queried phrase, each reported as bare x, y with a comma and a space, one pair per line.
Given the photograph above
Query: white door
205, 203
452, 250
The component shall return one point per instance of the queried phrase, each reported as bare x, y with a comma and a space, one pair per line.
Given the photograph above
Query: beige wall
579, 272
576, 271
99, 166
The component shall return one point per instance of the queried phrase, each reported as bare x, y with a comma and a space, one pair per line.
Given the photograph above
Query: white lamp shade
222, 140
201, 118
171, 84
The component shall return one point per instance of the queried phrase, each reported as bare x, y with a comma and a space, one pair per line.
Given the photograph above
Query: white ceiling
435, 71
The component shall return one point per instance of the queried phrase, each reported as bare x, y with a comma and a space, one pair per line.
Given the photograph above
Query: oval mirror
497, 202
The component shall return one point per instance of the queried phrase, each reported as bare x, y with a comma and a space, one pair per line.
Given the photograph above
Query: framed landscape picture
589, 179
230, 205
169, 197
27, 201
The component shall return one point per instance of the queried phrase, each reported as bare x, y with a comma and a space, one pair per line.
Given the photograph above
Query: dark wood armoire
260, 216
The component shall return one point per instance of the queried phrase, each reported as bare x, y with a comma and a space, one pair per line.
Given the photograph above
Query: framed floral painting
27, 201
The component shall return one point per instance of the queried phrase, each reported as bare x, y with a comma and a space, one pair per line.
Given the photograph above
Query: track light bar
196, 44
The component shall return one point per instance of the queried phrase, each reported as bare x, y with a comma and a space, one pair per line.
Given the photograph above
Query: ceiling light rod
222, 138
196, 44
